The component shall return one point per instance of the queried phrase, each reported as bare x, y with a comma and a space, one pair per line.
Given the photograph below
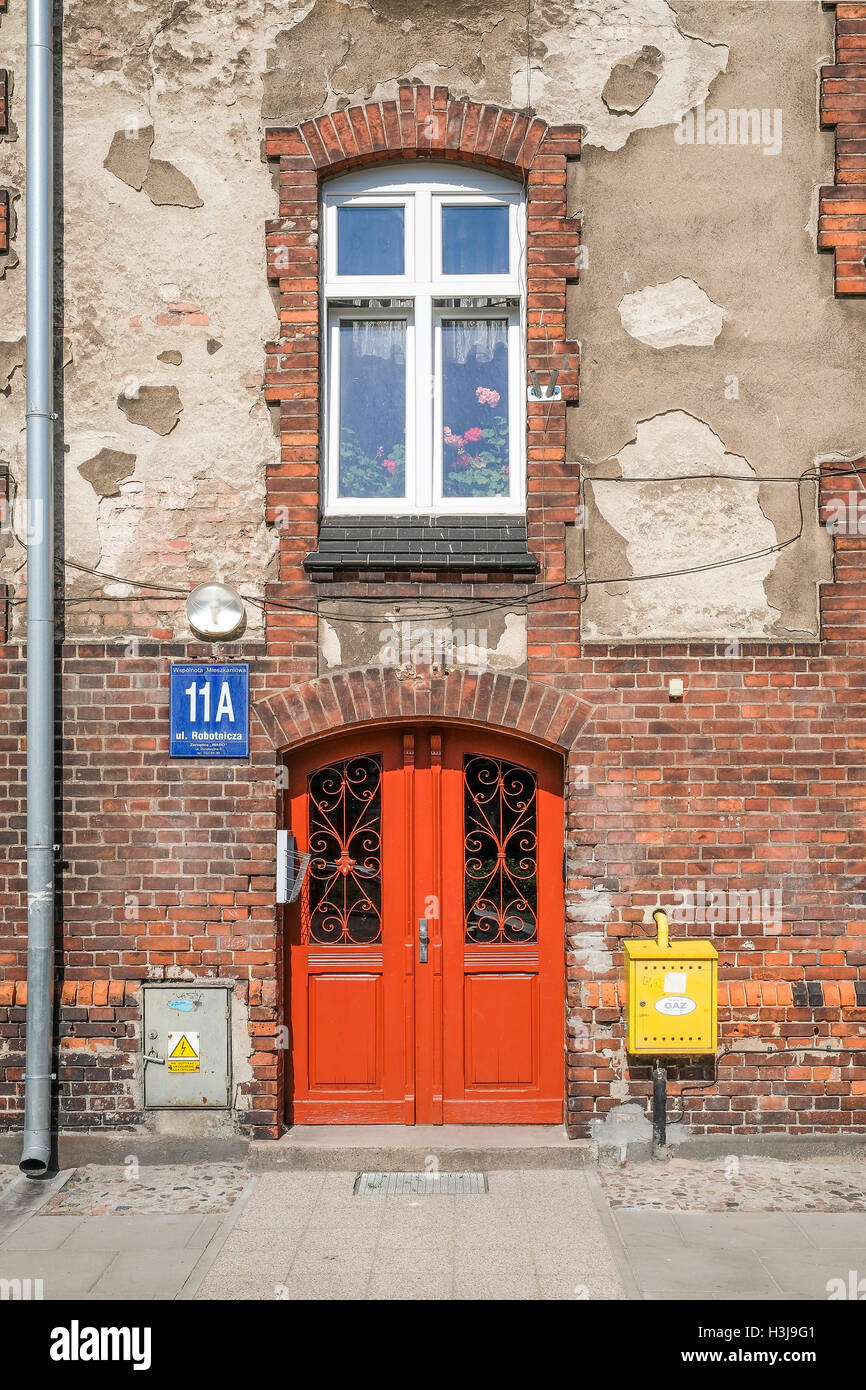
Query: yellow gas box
672, 994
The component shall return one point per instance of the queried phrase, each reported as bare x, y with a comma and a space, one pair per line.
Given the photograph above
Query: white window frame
423, 189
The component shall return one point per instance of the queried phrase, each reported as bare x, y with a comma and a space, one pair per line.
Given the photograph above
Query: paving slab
715, 1274
64, 1273
42, 1233
811, 1278
738, 1230
145, 1275
843, 1230
154, 1232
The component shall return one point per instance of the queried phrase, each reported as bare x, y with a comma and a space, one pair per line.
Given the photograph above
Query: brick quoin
756, 780
842, 207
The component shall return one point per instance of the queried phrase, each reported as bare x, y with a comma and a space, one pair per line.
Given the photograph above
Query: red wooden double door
426, 951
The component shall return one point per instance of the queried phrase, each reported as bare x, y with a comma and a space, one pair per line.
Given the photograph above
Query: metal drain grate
420, 1184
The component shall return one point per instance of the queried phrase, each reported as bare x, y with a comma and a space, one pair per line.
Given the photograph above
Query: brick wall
756, 780
842, 212
167, 869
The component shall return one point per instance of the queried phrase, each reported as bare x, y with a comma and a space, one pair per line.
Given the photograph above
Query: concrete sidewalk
533, 1235
743, 1230
103, 1233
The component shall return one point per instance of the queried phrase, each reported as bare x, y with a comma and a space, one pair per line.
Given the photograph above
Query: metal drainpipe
40, 585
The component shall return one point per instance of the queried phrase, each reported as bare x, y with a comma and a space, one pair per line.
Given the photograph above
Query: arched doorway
426, 952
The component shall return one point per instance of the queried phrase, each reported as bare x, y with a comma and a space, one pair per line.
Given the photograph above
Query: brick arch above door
355, 699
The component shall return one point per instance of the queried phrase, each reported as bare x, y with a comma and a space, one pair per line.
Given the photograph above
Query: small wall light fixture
215, 611
675, 688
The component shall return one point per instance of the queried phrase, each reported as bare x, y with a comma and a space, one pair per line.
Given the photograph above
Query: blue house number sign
210, 710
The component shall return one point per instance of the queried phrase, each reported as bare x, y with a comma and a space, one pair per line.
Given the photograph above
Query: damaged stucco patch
129, 160
427, 635
106, 470
128, 155
181, 523
657, 71
157, 408
676, 314
12, 352
633, 51
675, 520
590, 952
167, 185
633, 81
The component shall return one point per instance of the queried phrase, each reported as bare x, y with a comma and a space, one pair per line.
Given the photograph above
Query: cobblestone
102, 1190
737, 1184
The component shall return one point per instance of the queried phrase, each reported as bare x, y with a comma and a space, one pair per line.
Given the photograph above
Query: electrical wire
479, 604
752, 1052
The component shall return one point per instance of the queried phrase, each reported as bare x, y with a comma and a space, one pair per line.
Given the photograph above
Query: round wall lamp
215, 611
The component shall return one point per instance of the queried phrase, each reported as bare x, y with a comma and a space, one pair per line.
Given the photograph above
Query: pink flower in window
486, 396
473, 434
390, 464
454, 439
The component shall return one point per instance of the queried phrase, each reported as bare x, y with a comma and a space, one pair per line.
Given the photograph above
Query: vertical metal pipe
660, 1106
40, 585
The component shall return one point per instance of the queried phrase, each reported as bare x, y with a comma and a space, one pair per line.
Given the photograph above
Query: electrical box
187, 1045
672, 995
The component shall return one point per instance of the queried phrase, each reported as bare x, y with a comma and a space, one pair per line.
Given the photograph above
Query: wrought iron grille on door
345, 842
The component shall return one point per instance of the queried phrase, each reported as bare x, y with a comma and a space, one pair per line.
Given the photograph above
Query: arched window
423, 298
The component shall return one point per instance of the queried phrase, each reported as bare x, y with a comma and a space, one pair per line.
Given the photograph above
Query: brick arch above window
423, 122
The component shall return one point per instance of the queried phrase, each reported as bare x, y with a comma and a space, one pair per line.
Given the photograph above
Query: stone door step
412, 1148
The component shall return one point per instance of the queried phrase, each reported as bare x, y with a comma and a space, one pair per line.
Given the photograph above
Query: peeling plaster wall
150, 271
407, 635
777, 388
165, 305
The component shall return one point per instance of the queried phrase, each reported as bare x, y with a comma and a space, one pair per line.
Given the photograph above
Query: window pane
370, 241
475, 448
372, 408
474, 240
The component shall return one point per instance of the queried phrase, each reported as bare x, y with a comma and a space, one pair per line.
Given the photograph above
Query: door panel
347, 936
503, 931
454, 835
500, 1029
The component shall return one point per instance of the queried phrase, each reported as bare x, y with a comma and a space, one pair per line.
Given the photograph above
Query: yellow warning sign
183, 1052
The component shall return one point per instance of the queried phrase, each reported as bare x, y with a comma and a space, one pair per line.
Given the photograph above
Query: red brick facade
842, 213
756, 780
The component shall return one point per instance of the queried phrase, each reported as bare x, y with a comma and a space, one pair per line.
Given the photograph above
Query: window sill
440, 543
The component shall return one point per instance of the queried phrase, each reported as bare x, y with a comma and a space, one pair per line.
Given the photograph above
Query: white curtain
483, 336
384, 338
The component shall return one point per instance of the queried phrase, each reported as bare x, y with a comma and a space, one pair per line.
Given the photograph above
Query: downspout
36, 1153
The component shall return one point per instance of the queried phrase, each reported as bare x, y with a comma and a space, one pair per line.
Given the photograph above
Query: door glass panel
370, 241
372, 408
345, 874
474, 240
500, 852
475, 444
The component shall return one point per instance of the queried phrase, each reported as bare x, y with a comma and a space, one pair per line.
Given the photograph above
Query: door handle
423, 939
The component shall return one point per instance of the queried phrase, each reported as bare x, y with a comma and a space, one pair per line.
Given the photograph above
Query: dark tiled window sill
432, 543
